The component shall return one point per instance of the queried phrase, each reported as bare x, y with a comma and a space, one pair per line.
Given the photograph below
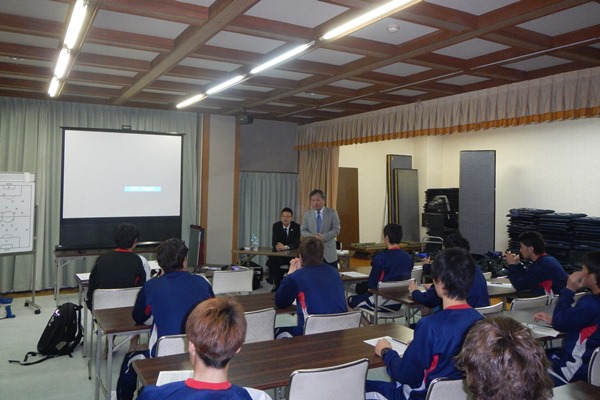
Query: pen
398, 341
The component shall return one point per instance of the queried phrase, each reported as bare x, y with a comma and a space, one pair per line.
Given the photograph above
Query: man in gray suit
323, 223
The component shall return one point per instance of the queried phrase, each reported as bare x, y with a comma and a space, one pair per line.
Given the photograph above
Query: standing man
545, 275
286, 236
323, 223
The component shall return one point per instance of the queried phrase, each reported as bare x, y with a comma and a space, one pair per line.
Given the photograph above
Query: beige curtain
559, 97
318, 169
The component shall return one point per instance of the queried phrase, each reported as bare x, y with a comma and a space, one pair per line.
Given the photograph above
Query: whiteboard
17, 207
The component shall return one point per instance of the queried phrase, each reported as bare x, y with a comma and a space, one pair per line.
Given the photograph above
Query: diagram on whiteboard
16, 216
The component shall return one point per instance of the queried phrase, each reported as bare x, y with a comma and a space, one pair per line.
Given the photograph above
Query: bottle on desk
254, 242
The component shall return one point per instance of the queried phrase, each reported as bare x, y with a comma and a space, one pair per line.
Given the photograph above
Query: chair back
395, 284
171, 344
261, 325
346, 381
232, 281
493, 309
445, 389
594, 368
115, 298
417, 275
319, 323
523, 303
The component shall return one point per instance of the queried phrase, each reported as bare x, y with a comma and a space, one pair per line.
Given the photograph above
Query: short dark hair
170, 254
456, 240
125, 235
533, 239
319, 192
311, 251
217, 329
455, 268
393, 232
503, 361
287, 209
592, 261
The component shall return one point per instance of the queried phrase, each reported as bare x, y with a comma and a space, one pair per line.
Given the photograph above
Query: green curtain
30, 141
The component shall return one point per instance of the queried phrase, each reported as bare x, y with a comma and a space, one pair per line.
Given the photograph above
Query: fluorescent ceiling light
62, 63
75, 23
53, 87
191, 100
368, 18
279, 59
225, 84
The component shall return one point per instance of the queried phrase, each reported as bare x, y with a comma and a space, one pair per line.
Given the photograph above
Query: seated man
503, 361
286, 236
216, 330
545, 276
120, 268
169, 299
581, 323
478, 293
437, 338
393, 264
316, 287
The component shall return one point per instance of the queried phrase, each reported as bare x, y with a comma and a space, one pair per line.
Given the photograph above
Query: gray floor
62, 378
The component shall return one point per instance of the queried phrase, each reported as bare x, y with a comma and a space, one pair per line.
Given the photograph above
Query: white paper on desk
503, 285
165, 377
396, 345
354, 274
543, 330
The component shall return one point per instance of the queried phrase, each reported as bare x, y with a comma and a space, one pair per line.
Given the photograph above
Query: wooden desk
268, 251
368, 250
577, 391
260, 301
112, 322
266, 365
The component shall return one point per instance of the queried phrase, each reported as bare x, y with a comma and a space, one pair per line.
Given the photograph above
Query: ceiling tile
278, 73
315, 96
537, 63
114, 51
365, 102
254, 88
327, 56
105, 71
29, 40
463, 80
238, 41
42, 9
180, 79
570, 20
406, 31
136, 24
307, 13
471, 49
278, 104
402, 69
204, 3
475, 7
208, 64
408, 92
348, 84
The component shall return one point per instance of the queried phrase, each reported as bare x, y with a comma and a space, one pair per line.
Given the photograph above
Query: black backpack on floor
61, 336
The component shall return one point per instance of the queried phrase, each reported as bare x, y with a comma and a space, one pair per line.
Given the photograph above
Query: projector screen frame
97, 232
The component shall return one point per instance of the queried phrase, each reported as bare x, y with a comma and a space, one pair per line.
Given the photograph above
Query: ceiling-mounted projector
245, 118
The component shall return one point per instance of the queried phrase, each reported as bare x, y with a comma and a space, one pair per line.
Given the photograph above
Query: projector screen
109, 177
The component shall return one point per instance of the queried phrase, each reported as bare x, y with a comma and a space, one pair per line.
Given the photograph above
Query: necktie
286, 231
319, 221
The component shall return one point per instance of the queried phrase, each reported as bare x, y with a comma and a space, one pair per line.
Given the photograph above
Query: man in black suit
286, 236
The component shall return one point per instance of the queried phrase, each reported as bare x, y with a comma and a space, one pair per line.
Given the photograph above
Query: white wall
219, 224
552, 165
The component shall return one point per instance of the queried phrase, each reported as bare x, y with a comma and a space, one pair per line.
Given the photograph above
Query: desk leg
375, 307
57, 281
109, 358
98, 358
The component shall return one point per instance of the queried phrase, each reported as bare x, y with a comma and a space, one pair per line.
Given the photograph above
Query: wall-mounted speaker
245, 118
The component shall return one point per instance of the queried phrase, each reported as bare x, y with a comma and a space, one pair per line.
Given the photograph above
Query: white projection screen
109, 177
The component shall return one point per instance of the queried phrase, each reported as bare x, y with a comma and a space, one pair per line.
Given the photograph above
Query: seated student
316, 287
216, 330
286, 236
503, 361
478, 293
169, 299
393, 264
581, 323
545, 275
437, 338
120, 268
